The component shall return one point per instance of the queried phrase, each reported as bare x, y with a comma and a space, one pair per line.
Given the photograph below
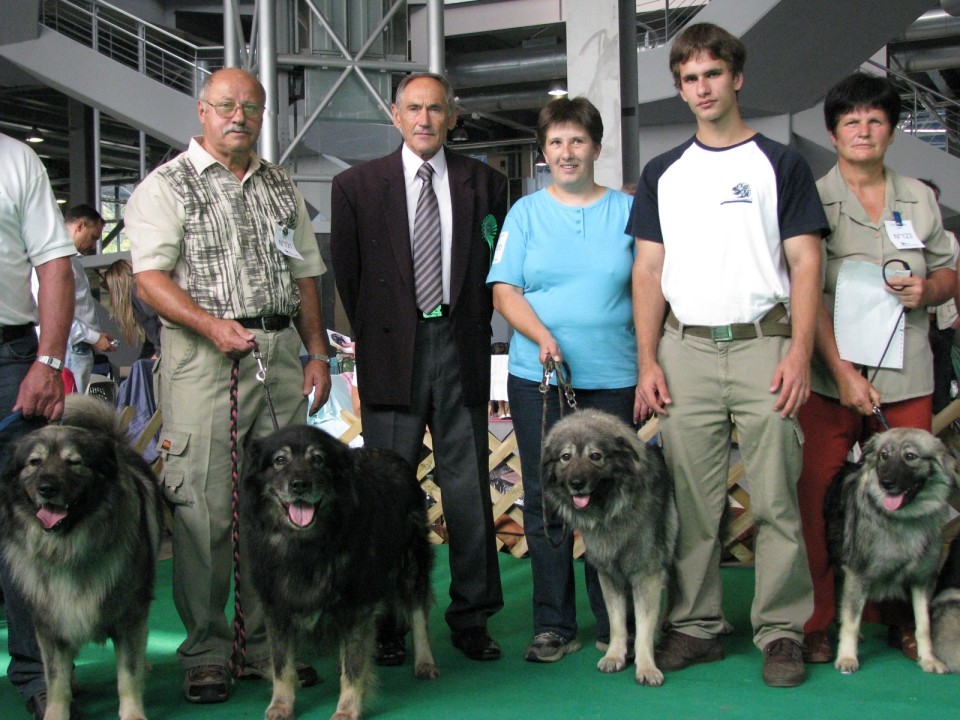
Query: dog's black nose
48, 488
299, 485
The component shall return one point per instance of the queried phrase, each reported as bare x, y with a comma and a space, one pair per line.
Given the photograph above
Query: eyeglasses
228, 108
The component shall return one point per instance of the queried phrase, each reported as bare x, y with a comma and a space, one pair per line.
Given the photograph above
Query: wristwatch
54, 362
321, 358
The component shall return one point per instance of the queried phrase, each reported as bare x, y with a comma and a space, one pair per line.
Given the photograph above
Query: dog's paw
343, 715
847, 665
932, 665
426, 671
612, 663
279, 711
649, 675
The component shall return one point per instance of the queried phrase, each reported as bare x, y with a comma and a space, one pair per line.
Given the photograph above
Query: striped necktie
427, 270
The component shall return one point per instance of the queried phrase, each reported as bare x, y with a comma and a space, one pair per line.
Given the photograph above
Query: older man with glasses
223, 249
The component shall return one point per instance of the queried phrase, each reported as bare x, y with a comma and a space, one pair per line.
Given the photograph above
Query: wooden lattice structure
738, 531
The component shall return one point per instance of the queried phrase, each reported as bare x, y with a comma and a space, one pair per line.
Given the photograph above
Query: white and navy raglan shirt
722, 215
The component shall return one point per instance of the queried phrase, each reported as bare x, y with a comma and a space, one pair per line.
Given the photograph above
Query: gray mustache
236, 128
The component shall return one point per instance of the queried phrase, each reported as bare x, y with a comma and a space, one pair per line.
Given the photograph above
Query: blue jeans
25, 670
554, 600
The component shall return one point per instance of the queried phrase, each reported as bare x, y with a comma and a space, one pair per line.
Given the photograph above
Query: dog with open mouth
335, 536
603, 481
884, 520
80, 518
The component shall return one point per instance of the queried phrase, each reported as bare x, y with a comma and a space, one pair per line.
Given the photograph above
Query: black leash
565, 395
903, 311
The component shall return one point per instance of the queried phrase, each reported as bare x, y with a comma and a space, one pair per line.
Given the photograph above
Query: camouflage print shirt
216, 234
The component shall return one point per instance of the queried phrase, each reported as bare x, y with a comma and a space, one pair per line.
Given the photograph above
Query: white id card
283, 237
903, 235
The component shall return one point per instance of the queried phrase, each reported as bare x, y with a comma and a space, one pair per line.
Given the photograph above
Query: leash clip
880, 416
262, 378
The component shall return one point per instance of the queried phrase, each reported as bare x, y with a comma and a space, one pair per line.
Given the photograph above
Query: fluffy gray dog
883, 531
604, 482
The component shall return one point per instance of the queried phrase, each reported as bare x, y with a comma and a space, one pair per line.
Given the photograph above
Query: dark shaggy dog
79, 527
883, 531
336, 536
945, 611
603, 481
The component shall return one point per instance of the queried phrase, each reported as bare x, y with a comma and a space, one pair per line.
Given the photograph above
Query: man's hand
792, 379
316, 379
231, 338
41, 393
104, 343
651, 391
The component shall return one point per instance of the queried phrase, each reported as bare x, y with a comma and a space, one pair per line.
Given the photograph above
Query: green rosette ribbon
489, 229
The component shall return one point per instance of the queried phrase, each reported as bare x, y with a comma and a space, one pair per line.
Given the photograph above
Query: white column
593, 71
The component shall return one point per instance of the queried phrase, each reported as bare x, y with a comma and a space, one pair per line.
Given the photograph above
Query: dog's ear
626, 446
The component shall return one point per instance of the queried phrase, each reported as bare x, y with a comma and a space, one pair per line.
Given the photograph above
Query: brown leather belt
14, 332
269, 323
766, 326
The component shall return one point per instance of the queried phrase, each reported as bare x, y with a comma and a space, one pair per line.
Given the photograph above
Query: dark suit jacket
373, 266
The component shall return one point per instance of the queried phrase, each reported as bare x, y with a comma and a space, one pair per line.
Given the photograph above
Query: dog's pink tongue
301, 514
581, 501
50, 516
892, 502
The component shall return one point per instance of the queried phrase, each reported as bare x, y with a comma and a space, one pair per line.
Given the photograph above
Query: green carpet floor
887, 686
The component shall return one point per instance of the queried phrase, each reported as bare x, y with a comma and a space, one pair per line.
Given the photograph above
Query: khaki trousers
708, 382
194, 394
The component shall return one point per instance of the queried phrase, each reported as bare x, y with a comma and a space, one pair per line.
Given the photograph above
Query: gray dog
883, 530
603, 481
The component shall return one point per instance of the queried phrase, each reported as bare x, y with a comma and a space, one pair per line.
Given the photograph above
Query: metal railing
658, 21
925, 113
152, 51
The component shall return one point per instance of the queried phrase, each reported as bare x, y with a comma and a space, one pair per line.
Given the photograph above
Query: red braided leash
238, 654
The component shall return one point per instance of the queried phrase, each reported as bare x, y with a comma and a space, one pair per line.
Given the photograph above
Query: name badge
283, 238
902, 234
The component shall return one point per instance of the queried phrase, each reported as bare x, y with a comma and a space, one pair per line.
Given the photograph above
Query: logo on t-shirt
741, 194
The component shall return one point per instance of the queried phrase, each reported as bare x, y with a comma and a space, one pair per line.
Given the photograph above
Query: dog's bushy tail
92, 413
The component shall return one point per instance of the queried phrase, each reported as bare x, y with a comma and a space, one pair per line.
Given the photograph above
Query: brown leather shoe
677, 650
904, 640
206, 684
783, 663
817, 647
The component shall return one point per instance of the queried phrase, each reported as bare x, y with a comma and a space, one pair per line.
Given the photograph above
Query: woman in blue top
561, 278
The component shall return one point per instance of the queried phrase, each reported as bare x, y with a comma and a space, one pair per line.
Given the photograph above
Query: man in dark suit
423, 356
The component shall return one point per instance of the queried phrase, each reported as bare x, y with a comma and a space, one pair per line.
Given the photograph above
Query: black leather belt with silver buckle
269, 323
14, 332
441, 311
767, 325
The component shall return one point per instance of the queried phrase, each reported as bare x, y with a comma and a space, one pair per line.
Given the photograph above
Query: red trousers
830, 430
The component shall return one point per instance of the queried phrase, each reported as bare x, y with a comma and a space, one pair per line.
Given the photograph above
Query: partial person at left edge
32, 237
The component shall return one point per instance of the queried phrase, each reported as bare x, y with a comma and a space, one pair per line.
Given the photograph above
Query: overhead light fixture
540, 160
459, 133
34, 136
557, 88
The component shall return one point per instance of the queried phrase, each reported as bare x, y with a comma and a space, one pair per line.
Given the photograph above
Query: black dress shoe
391, 651
476, 643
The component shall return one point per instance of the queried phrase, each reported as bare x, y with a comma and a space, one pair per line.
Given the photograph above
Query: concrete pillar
80, 134
593, 71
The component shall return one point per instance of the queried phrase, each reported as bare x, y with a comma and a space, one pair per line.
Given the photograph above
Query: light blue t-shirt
574, 265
